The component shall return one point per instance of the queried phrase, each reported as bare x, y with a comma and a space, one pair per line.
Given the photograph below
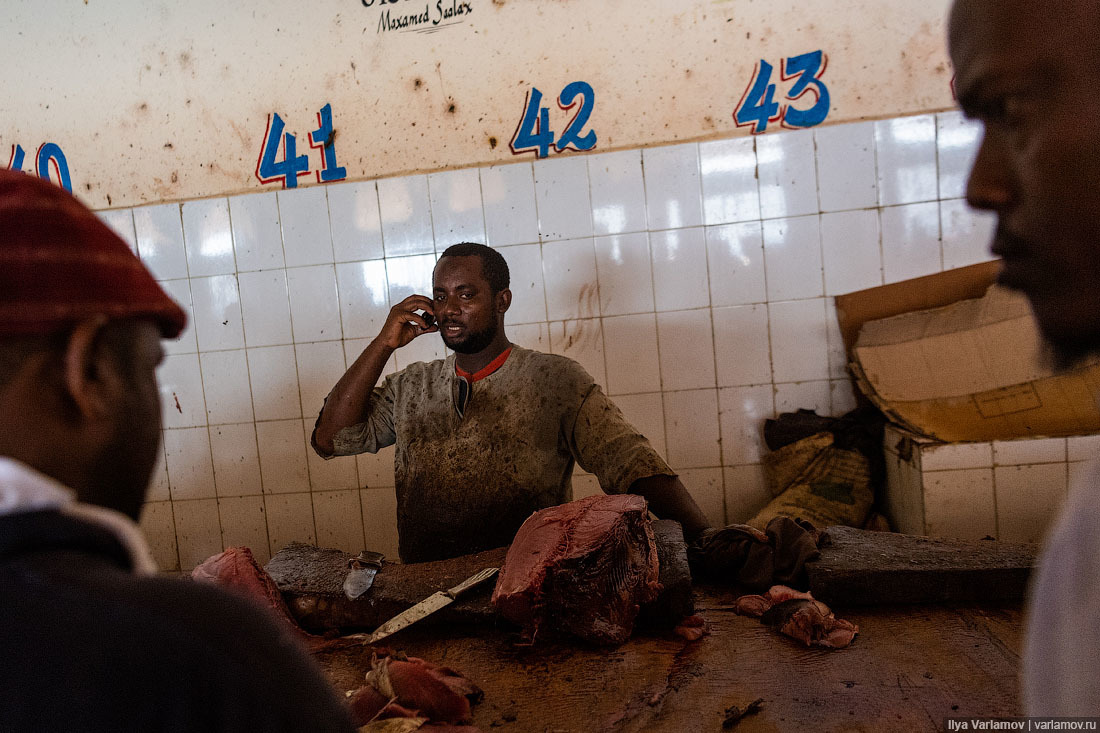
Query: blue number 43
758, 106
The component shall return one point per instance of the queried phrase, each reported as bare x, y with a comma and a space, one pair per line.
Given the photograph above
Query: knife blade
361, 571
429, 605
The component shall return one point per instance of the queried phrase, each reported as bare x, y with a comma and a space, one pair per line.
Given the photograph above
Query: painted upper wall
140, 101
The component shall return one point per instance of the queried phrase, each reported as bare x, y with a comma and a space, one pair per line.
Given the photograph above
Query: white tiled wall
693, 281
1008, 490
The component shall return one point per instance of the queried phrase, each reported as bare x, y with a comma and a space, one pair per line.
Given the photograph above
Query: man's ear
504, 300
89, 373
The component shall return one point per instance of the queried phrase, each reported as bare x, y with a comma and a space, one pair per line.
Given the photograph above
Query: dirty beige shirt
466, 484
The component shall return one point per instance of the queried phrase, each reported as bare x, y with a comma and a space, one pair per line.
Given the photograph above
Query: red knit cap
59, 264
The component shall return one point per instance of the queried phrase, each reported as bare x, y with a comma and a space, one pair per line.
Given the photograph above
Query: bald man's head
1028, 73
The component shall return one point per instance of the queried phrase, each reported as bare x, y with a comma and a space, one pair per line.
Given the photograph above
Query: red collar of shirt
485, 370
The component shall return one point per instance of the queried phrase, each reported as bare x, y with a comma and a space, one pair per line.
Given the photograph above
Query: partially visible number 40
758, 107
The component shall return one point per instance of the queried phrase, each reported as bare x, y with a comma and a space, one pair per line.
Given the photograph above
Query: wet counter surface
909, 668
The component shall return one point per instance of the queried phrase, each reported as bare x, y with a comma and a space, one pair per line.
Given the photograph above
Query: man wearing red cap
91, 639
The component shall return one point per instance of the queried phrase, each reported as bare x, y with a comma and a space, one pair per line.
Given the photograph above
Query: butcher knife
361, 572
429, 605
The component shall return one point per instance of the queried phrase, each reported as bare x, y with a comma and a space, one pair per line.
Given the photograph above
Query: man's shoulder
422, 371
550, 365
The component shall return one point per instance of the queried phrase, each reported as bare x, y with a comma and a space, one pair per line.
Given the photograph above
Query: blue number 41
269, 168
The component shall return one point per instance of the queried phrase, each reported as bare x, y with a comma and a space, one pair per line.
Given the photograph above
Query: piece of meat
438, 693
691, 628
583, 568
797, 615
238, 570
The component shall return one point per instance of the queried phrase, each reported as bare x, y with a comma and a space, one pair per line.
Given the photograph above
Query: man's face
467, 311
1028, 73
126, 460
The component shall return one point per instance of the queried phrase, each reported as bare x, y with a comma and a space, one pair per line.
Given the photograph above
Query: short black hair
493, 266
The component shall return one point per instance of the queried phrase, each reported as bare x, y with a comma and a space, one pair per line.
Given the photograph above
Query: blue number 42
534, 133
758, 106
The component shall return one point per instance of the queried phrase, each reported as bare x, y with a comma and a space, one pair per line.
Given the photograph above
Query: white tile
954, 456
526, 283
376, 469
181, 396
1083, 447
307, 238
180, 291
851, 251
799, 342
1028, 500
906, 154
217, 305
282, 451
680, 278
1029, 450
673, 194
236, 459
314, 303
353, 348
618, 192
533, 336
792, 258
746, 492
728, 170
274, 378
158, 483
735, 261
289, 519
320, 366
561, 198
814, 395
457, 214
742, 411
844, 396
428, 347
409, 275
225, 385
508, 193
846, 166
190, 472
788, 180
569, 274
159, 528
838, 356
910, 241
339, 519
198, 532
691, 428
121, 222
244, 524
967, 234
631, 350
354, 220
686, 341
957, 141
585, 485
265, 306
257, 234
380, 520
364, 297
332, 474
646, 412
406, 216
159, 232
582, 341
960, 504
207, 237
705, 486
741, 345
1079, 472
625, 274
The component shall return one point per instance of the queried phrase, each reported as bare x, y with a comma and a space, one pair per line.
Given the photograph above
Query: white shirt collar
22, 490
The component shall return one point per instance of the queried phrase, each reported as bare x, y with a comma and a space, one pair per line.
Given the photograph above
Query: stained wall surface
693, 281
146, 101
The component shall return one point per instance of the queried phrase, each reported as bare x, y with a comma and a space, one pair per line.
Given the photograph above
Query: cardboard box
951, 358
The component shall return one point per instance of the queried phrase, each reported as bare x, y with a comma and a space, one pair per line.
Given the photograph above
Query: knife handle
470, 582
